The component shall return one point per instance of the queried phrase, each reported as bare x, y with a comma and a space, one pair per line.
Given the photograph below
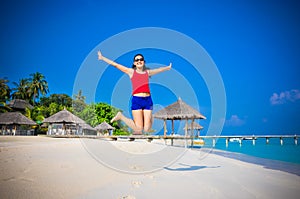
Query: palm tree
79, 102
38, 85
21, 90
4, 95
4, 90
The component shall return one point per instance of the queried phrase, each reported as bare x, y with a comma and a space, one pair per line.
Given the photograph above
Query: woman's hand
100, 57
170, 66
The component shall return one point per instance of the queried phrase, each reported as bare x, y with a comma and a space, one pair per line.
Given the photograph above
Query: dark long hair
134, 66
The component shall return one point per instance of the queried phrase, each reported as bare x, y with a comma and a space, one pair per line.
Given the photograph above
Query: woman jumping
141, 101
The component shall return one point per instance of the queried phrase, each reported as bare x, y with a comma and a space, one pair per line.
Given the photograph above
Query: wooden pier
149, 138
240, 139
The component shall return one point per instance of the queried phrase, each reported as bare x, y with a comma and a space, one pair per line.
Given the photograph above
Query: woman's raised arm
159, 70
115, 64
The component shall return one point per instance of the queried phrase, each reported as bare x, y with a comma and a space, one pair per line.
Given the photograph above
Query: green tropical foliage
54, 108
106, 112
3, 107
30, 89
4, 90
89, 115
62, 99
79, 103
37, 86
21, 90
4, 95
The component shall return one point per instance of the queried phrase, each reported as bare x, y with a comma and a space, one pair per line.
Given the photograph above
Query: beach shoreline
289, 167
43, 167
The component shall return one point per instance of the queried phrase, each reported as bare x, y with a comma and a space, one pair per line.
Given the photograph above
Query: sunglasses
140, 59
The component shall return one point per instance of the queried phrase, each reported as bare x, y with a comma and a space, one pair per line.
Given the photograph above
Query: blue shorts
141, 103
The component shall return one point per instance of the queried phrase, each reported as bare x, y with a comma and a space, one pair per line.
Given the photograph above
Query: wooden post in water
214, 142
296, 140
267, 140
186, 132
253, 141
192, 133
165, 128
227, 140
172, 132
281, 141
172, 127
240, 141
186, 128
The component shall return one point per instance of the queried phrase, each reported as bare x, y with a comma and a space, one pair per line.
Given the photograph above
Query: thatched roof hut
64, 116
178, 111
87, 129
15, 118
104, 127
87, 126
10, 121
18, 104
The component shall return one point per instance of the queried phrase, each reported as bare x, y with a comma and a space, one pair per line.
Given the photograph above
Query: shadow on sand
186, 167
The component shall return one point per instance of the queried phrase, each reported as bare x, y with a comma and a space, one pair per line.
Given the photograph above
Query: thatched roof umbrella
18, 104
178, 111
194, 126
15, 118
104, 126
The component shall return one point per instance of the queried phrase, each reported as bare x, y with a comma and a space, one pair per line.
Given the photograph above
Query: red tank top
140, 82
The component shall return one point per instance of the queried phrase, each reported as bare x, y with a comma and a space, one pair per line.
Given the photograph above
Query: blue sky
255, 46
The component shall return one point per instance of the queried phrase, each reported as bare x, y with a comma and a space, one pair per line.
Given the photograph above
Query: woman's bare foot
117, 117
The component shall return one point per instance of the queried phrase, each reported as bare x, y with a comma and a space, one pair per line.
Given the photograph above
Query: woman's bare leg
138, 119
136, 125
147, 120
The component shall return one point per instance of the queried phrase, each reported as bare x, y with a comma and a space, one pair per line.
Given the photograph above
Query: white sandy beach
42, 167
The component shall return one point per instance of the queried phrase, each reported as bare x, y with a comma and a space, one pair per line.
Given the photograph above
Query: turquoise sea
273, 155
288, 151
